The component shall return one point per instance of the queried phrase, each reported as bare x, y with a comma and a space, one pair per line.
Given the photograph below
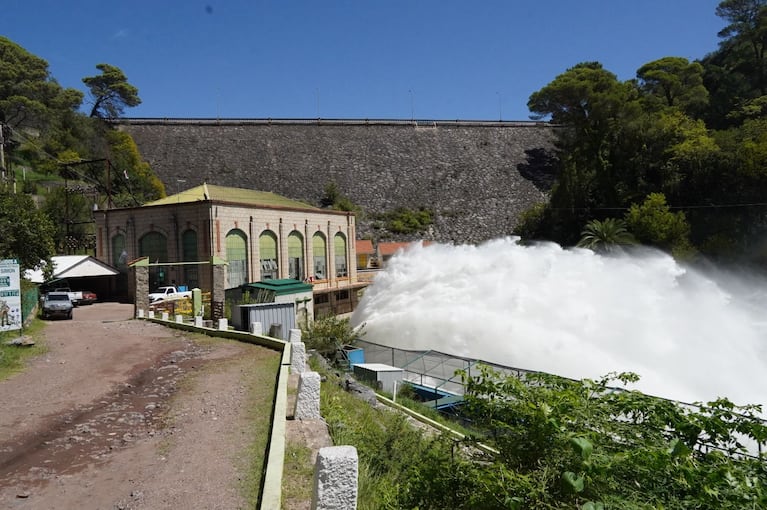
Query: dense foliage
26, 234
559, 444
328, 334
71, 161
408, 221
581, 444
694, 132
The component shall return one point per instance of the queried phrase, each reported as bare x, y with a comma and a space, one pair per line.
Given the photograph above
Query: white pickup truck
74, 296
167, 293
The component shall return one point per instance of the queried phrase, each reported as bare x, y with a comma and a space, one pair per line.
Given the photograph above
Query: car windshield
58, 297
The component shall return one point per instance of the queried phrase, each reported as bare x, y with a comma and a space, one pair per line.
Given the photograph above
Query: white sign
10, 295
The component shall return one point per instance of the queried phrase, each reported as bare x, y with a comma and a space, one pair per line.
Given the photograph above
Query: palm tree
605, 236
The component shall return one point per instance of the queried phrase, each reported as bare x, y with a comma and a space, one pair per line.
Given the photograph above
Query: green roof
281, 287
232, 195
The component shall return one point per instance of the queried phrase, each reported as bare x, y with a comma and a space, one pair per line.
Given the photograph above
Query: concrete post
140, 313
335, 479
223, 324
151, 314
295, 335
196, 302
164, 316
198, 321
297, 357
308, 398
217, 296
179, 318
256, 328
141, 279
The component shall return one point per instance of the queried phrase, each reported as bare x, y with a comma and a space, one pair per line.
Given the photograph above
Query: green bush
328, 334
407, 221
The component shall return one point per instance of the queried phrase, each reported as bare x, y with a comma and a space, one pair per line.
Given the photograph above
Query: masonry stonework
478, 177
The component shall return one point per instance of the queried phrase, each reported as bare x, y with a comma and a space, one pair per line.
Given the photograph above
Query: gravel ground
125, 414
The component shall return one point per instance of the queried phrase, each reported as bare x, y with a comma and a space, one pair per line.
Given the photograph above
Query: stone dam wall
478, 177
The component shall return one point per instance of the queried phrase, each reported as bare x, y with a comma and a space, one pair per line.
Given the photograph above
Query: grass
261, 377
14, 358
430, 412
388, 446
297, 474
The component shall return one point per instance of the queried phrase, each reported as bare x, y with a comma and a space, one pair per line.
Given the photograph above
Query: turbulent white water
689, 336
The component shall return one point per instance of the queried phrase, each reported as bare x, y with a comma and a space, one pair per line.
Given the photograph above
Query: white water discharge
691, 337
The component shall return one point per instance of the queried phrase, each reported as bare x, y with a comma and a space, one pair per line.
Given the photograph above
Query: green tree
34, 108
26, 233
652, 222
736, 176
679, 156
673, 82
133, 182
599, 133
735, 73
606, 235
110, 92
746, 37
29, 96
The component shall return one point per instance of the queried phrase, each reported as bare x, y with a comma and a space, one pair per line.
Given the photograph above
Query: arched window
267, 247
155, 246
189, 254
319, 257
339, 243
119, 253
296, 255
237, 258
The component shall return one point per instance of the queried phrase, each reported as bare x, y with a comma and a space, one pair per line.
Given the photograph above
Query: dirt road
124, 414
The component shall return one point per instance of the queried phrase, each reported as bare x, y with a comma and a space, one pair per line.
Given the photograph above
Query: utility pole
67, 219
2, 152
109, 183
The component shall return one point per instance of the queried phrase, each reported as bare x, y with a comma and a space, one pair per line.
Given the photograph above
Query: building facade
260, 235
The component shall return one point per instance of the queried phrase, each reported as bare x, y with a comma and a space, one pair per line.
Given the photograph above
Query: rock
359, 390
22, 341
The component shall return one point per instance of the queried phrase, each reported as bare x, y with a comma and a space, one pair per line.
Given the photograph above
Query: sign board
10, 295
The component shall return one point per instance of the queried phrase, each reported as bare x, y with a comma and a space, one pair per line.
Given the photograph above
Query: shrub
328, 334
407, 221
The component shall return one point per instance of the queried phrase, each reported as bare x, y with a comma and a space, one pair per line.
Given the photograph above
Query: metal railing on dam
418, 123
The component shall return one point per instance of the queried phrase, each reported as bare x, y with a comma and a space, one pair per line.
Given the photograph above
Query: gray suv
57, 304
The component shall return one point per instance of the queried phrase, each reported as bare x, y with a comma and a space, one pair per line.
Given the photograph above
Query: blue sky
428, 59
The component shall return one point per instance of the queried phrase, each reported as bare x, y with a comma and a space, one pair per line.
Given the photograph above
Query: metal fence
29, 299
436, 371
431, 369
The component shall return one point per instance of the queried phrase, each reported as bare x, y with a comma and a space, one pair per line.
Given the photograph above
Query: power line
699, 206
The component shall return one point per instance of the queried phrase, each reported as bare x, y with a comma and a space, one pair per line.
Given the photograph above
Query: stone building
260, 235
